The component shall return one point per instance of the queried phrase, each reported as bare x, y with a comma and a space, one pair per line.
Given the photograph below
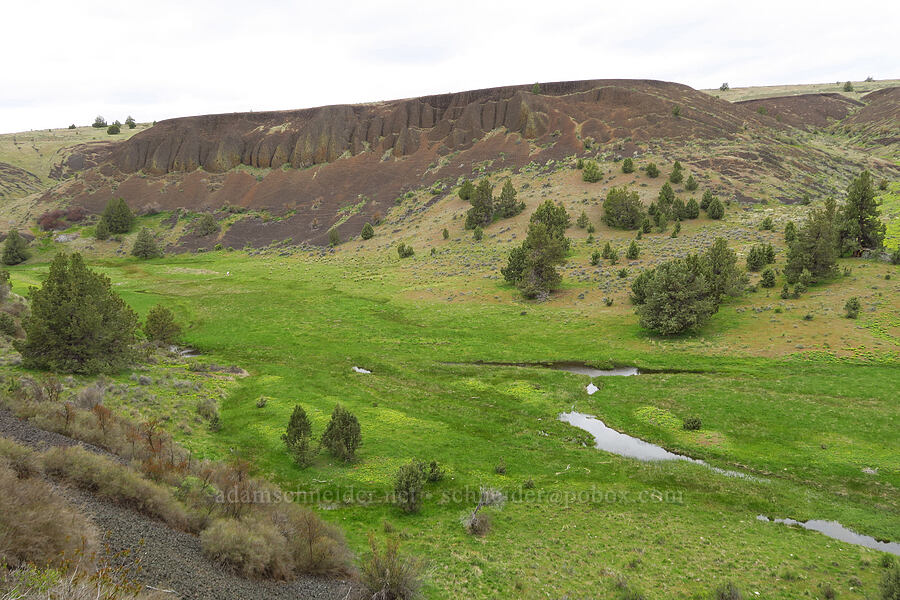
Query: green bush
478, 234
466, 190
404, 250
113, 129
790, 233
15, 249
767, 224
591, 172
8, 324
99, 122
595, 257
628, 166
342, 436
130, 122
728, 591
334, 237
160, 325
706, 199
206, 225
759, 256
652, 170
101, 230
691, 209
768, 279
852, 308
445, 234
890, 584
409, 484
77, 323
367, 232
692, 424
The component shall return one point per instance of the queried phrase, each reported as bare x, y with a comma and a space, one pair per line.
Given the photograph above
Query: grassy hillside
860, 88
806, 406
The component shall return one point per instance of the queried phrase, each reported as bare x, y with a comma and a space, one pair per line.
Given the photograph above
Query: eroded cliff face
302, 138
316, 162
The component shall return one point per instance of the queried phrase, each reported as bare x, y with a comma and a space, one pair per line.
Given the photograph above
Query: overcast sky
68, 61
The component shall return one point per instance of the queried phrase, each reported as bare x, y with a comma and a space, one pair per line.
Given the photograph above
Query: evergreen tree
544, 251
409, 485
790, 233
482, 211
768, 278
15, 249
118, 217
101, 230
724, 276
691, 209
466, 190
77, 323
99, 122
342, 436
297, 437
145, 245
691, 184
679, 210
674, 297
715, 210
628, 166
633, 251
555, 217
130, 122
622, 208
861, 226
206, 225
445, 234
583, 220
334, 237
298, 427
706, 199
160, 325
652, 170
645, 225
367, 232
677, 175
478, 234
816, 246
507, 206
666, 199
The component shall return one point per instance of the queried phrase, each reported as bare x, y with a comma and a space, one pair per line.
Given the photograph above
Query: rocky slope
312, 170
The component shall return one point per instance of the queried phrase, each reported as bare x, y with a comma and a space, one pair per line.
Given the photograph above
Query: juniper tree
591, 172
628, 166
118, 217
816, 246
145, 245
466, 190
482, 211
691, 209
342, 435
715, 210
691, 184
160, 325
507, 206
677, 175
652, 170
77, 323
15, 249
367, 232
706, 199
622, 208
633, 251
860, 221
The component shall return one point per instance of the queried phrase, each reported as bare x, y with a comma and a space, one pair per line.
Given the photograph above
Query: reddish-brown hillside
805, 111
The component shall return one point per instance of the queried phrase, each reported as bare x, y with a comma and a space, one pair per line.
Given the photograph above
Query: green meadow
817, 431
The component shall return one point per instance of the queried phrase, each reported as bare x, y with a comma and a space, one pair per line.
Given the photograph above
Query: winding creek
622, 444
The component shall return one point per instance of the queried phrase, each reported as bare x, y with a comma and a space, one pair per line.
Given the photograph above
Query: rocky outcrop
302, 138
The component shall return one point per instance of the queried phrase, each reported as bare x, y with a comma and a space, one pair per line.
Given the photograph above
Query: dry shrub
31, 583
316, 547
19, 458
478, 523
391, 575
106, 478
250, 546
37, 525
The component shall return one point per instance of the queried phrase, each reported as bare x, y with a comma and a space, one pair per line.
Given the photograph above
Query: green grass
298, 324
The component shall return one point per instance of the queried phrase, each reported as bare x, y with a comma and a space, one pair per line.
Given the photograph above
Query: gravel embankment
170, 559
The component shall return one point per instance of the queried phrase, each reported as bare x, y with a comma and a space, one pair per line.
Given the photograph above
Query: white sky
68, 61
